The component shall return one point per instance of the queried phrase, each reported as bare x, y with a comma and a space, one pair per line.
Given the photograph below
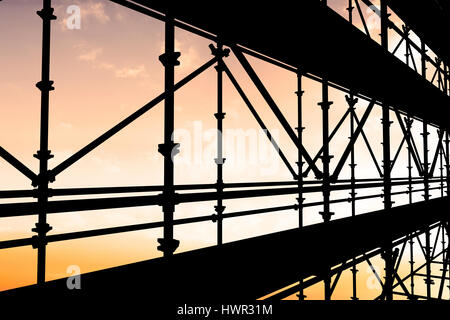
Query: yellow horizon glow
103, 73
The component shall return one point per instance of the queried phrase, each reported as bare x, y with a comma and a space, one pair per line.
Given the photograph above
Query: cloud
66, 125
105, 66
95, 10
108, 165
90, 55
88, 11
119, 16
80, 45
131, 72
189, 54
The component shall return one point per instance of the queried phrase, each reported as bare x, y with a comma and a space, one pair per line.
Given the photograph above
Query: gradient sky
107, 70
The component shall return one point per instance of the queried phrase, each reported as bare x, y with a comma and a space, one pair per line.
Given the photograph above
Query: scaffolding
169, 195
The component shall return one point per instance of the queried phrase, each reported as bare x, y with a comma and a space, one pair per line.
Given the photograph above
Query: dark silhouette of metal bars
169, 195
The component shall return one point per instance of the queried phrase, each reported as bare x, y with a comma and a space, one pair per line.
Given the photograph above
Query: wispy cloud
66, 125
93, 55
90, 55
189, 54
95, 10
105, 66
131, 72
89, 11
120, 16
108, 165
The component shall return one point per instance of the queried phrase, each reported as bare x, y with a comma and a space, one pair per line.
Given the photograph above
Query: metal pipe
169, 148
43, 154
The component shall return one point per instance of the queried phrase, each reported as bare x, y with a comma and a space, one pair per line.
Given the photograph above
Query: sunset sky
107, 70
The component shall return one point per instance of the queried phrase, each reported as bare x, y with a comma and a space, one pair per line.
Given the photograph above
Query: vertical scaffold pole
426, 173
448, 247
406, 35
352, 102
326, 213
326, 157
441, 168
409, 123
448, 250
300, 161
44, 154
428, 280
300, 164
447, 161
384, 16
411, 263
169, 149
387, 200
219, 52
350, 11
352, 164
446, 79
440, 83
447, 166
443, 242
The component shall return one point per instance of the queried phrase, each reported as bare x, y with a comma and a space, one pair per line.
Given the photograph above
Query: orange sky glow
108, 69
